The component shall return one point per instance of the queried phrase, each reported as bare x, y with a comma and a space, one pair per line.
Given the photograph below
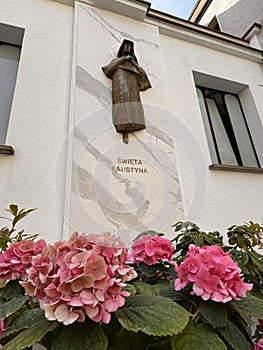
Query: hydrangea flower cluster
151, 250
213, 273
82, 276
17, 259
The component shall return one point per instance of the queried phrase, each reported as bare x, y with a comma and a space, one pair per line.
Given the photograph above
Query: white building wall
39, 116
231, 197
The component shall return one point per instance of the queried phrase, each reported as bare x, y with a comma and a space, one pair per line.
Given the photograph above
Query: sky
179, 8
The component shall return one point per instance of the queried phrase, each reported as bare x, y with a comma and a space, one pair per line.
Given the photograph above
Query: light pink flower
82, 276
151, 250
17, 259
213, 273
259, 345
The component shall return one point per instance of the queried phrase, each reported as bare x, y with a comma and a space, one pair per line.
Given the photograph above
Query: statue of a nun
128, 79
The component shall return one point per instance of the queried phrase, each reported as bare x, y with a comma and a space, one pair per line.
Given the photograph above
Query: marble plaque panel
117, 187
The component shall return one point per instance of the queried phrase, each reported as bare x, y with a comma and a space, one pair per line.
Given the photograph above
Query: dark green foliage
155, 316
191, 234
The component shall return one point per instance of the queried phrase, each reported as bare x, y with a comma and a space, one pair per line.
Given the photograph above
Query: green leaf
86, 336
21, 214
148, 271
143, 288
244, 258
25, 320
31, 335
159, 284
13, 209
126, 340
153, 315
199, 241
214, 313
232, 240
4, 240
241, 242
234, 337
12, 306
198, 337
250, 307
160, 344
11, 290
256, 260
171, 293
112, 329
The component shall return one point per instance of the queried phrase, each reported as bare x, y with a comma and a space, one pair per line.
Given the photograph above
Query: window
226, 128
11, 39
9, 59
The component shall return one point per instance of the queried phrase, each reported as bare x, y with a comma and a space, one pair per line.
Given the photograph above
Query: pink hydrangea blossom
259, 345
151, 250
2, 327
213, 273
17, 259
82, 276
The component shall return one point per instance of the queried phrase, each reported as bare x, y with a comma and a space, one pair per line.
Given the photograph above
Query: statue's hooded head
127, 49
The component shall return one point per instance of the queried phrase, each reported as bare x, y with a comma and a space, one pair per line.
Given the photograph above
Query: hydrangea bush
91, 293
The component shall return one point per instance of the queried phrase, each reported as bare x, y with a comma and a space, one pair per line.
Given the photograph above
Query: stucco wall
39, 116
215, 8
239, 18
230, 197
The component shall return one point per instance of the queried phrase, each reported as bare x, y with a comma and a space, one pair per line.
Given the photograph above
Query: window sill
240, 169
4, 149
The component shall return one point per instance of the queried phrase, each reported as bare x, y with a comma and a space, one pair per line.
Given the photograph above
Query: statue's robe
128, 79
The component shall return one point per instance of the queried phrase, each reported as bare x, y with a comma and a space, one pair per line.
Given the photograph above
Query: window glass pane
241, 133
208, 132
225, 149
9, 58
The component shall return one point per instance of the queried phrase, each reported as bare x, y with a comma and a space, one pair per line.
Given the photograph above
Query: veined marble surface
121, 188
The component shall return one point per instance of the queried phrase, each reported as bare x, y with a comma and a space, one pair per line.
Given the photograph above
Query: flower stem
196, 315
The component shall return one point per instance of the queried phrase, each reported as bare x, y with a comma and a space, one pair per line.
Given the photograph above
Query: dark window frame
5, 149
226, 120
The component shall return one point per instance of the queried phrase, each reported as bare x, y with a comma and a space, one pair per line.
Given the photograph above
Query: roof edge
199, 10
165, 19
